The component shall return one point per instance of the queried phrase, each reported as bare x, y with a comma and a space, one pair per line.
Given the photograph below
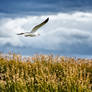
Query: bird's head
38, 34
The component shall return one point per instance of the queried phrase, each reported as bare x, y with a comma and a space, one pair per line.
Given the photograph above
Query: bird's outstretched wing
40, 25
20, 34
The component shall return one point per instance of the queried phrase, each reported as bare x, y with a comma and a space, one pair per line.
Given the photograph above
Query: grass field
44, 73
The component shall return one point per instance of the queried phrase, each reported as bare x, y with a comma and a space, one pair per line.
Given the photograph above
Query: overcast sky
68, 32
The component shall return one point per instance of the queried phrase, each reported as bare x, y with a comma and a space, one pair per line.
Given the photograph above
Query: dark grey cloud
43, 6
80, 36
76, 49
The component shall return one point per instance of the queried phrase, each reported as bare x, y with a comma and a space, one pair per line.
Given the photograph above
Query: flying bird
33, 31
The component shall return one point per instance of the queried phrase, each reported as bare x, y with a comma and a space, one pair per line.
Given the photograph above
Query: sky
67, 33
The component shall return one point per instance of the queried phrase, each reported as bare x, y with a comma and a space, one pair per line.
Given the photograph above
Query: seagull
33, 32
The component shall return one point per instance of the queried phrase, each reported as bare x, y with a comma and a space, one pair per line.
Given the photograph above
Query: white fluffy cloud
62, 28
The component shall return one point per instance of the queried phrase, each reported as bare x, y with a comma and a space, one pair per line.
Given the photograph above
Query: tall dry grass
42, 73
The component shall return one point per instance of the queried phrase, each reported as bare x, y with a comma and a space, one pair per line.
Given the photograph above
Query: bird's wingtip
48, 18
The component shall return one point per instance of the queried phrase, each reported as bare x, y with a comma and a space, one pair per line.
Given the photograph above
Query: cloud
65, 33
20, 7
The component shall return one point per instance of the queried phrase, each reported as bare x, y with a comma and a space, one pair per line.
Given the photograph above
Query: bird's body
33, 32
30, 34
